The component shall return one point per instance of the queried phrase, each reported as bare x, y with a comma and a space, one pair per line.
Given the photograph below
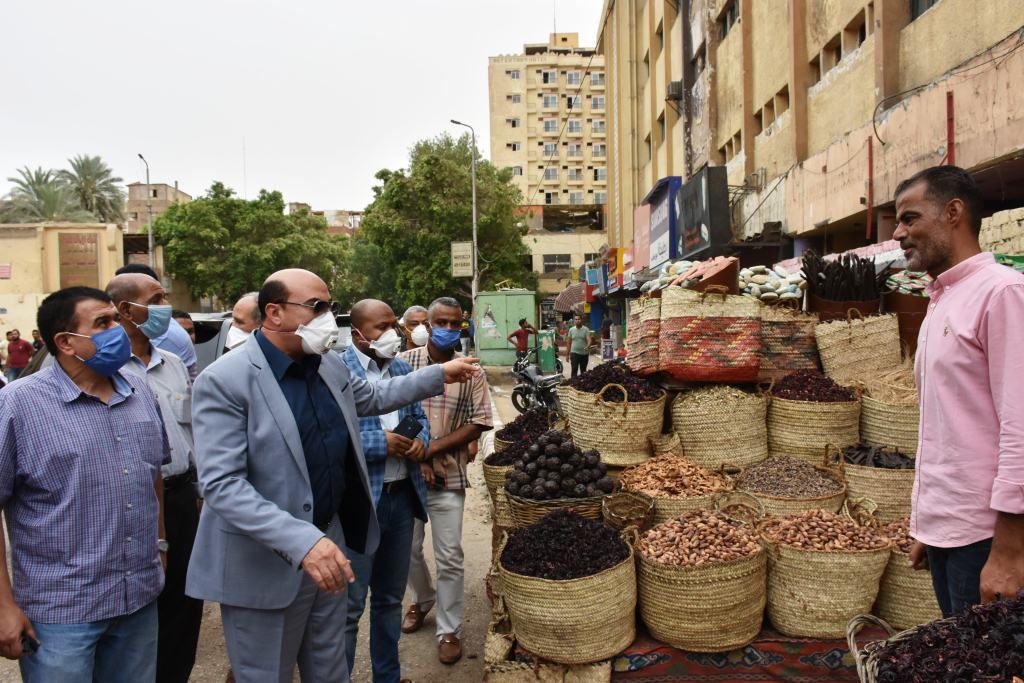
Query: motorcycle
532, 388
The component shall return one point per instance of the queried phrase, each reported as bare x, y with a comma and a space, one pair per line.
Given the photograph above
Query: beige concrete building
37, 259
816, 108
548, 124
140, 195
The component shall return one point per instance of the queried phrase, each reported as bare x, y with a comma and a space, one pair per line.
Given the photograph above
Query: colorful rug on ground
771, 658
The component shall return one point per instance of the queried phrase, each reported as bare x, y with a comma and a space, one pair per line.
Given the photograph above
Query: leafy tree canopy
225, 246
41, 196
403, 252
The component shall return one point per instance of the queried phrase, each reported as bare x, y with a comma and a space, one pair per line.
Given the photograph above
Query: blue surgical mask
113, 349
158, 320
444, 338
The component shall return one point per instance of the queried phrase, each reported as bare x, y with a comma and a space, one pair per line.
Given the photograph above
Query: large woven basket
778, 506
890, 489
906, 597
620, 432
494, 477
642, 341
575, 621
500, 444
885, 424
804, 429
730, 431
787, 342
526, 512
627, 508
814, 594
866, 658
859, 347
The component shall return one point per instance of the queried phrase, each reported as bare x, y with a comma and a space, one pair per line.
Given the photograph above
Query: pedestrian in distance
141, 303
19, 353
81, 447
457, 419
521, 338
577, 350
285, 484
396, 483
968, 499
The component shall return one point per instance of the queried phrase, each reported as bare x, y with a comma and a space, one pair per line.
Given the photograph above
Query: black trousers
179, 615
579, 362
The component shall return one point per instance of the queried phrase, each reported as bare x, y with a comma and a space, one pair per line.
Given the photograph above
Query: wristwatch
162, 545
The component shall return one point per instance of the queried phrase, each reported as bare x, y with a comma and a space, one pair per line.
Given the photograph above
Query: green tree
39, 196
225, 246
417, 213
95, 187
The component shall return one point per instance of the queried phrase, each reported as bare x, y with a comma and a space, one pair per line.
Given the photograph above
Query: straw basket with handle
804, 428
718, 425
787, 341
526, 512
890, 424
859, 346
621, 432
713, 607
628, 508
780, 506
642, 340
890, 489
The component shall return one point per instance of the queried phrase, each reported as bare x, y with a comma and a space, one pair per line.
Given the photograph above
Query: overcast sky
324, 92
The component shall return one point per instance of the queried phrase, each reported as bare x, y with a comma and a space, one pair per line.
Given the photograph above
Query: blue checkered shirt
77, 488
375, 446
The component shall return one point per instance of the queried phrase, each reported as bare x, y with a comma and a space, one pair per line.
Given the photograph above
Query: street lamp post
476, 271
149, 210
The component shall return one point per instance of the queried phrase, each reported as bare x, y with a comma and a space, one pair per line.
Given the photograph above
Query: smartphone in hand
409, 427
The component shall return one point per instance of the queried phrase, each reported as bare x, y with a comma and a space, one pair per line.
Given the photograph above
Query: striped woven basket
494, 478
642, 340
787, 342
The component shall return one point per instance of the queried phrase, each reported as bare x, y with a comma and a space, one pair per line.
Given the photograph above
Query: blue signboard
663, 243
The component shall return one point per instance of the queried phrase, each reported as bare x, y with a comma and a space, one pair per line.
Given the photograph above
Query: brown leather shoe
449, 650
413, 619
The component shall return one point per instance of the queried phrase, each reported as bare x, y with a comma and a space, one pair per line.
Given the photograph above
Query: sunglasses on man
319, 307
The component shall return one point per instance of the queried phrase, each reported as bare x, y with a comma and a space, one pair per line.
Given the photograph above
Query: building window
517, 170
697, 63
573, 78
515, 146
597, 102
919, 7
550, 149
597, 78
550, 125
591, 256
513, 123
513, 74
598, 125
153, 194
575, 149
549, 77
660, 36
550, 101
575, 197
551, 173
727, 19
575, 174
600, 149
515, 99
662, 128
550, 197
557, 262
134, 215
574, 102
600, 197
600, 173
575, 126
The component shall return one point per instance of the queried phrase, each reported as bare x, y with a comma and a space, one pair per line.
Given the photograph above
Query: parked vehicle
533, 389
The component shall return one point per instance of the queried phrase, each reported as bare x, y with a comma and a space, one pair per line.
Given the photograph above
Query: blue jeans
121, 649
12, 373
956, 575
383, 574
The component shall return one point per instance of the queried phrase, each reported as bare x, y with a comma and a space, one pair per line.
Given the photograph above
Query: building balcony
575, 182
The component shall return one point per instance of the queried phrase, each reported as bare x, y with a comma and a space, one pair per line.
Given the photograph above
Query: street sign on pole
462, 259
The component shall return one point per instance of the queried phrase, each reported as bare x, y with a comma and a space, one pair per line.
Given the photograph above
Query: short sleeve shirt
579, 336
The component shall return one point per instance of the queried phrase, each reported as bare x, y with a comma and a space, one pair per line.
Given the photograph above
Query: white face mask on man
420, 335
236, 337
320, 335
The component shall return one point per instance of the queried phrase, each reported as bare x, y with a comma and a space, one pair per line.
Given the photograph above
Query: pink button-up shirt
970, 376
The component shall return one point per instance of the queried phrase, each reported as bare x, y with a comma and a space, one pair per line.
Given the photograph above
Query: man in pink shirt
968, 499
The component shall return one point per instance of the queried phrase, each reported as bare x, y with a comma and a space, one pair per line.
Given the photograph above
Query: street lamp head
142, 157
458, 123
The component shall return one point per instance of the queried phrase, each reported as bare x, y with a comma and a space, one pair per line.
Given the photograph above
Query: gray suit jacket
256, 524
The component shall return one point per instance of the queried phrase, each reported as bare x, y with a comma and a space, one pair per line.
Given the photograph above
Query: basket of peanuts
701, 576
823, 569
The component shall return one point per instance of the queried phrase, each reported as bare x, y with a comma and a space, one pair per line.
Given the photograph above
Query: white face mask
420, 335
320, 335
387, 345
236, 337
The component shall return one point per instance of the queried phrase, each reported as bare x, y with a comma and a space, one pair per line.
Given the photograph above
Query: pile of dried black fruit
982, 643
563, 545
811, 385
509, 455
614, 372
555, 468
528, 426
877, 456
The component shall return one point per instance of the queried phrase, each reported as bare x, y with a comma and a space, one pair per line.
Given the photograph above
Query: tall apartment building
140, 195
548, 108
815, 109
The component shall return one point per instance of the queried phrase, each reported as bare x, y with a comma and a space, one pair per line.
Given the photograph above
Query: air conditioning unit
675, 91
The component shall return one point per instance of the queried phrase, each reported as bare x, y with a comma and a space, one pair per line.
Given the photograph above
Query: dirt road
418, 651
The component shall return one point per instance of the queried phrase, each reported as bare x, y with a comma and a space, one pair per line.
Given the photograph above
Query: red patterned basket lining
711, 349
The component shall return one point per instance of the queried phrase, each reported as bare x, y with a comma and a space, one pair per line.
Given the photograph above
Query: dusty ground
418, 651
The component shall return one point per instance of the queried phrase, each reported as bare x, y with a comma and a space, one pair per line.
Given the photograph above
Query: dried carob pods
877, 456
698, 537
672, 475
563, 545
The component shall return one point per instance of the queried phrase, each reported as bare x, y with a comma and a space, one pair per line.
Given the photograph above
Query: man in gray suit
282, 471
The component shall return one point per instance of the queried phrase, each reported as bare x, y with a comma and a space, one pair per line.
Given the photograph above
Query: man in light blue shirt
175, 339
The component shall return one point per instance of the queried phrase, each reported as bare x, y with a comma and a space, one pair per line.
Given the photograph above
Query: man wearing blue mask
457, 419
81, 446
145, 314
175, 339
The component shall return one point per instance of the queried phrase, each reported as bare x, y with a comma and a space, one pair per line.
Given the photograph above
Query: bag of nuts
823, 570
701, 581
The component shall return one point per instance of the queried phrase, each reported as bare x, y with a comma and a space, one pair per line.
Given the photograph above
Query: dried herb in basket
563, 545
811, 385
613, 372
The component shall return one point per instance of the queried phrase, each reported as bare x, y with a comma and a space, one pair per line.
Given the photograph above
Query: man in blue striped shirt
81, 446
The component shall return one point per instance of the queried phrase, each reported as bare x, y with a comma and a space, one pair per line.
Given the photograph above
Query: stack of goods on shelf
770, 285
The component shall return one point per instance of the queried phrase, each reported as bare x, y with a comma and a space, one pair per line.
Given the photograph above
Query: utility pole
476, 270
149, 211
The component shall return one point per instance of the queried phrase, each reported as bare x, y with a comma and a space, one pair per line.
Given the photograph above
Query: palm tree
95, 187
38, 196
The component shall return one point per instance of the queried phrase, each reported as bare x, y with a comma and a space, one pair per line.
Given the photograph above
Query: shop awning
569, 297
